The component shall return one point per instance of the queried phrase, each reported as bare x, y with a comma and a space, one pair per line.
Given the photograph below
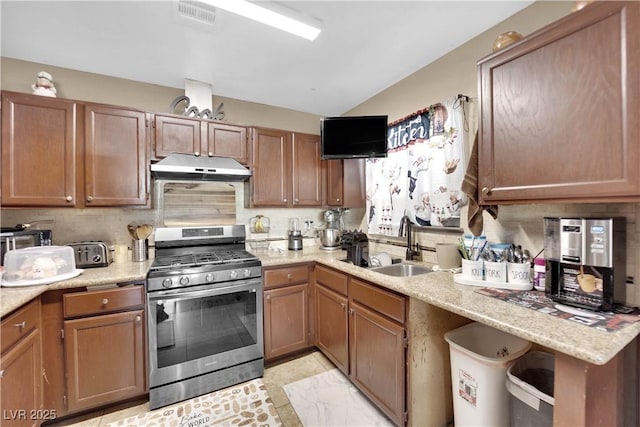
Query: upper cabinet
287, 169
560, 111
57, 152
179, 134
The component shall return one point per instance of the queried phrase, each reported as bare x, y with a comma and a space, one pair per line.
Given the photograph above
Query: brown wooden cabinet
116, 158
286, 311
334, 194
21, 368
560, 111
361, 328
58, 152
94, 345
105, 347
287, 169
180, 134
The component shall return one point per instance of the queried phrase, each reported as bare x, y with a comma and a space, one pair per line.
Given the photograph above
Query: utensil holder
140, 250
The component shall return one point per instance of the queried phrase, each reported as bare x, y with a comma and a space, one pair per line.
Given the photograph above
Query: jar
538, 274
259, 224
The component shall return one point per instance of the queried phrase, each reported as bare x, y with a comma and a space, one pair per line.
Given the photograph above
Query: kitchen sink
402, 270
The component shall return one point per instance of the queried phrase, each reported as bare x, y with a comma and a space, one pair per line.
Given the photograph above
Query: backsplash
520, 224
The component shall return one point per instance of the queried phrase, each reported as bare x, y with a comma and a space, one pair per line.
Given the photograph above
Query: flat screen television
353, 137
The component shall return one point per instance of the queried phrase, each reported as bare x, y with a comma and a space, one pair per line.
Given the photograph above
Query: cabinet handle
44, 376
105, 301
485, 191
297, 200
351, 311
90, 199
138, 319
197, 153
210, 153
343, 305
69, 199
2, 373
21, 325
288, 276
284, 200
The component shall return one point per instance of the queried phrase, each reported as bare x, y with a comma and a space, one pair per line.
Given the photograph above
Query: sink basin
401, 270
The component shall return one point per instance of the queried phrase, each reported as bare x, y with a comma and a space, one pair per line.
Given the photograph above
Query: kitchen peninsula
590, 364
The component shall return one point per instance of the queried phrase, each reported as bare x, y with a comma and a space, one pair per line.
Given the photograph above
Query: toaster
91, 254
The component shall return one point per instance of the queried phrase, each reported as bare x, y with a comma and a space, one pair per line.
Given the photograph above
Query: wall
456, 73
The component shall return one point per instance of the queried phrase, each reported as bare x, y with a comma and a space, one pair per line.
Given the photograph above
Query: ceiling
364, 46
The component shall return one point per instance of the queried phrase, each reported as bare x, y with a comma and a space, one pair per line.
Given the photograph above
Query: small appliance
295, 235
357, 245
91, 254
585, 261
20, 238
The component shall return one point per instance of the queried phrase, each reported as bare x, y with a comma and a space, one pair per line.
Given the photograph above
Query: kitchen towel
470, 188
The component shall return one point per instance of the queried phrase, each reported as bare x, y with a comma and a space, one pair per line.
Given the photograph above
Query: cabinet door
176, 135
104, 359
306, 170
377, 360
335, 190
38, 151
270, 159
116, 171
227, 141
560, 112
332, 327
21, 384
286, 320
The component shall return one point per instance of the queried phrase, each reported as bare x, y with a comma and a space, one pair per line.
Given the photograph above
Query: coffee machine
585, 261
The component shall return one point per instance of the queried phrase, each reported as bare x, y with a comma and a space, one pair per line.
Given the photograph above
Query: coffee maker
295, 235
585, 261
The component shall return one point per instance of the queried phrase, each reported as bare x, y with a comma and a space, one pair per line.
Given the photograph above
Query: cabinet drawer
20, 324
286, 276
332, 279
104, 301
384, 302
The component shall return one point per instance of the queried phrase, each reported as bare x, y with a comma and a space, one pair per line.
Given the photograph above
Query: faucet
405, 227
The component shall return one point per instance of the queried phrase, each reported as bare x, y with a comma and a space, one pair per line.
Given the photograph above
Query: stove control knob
233, 274
184, 280
209, 277
247, 272
167, 283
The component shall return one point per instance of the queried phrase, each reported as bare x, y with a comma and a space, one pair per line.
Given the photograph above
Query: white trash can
480, 356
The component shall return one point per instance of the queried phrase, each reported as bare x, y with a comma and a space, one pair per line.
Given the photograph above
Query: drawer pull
268, 297
289, 276
69, 199
21, 325
105, 301
138, 319
485, 191
2, 373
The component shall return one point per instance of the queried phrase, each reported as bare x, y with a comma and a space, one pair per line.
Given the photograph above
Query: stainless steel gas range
204, 294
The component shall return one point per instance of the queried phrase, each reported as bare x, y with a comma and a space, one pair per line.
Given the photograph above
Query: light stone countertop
436, 288
13, 297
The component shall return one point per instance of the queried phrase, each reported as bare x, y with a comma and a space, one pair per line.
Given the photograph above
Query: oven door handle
250, 287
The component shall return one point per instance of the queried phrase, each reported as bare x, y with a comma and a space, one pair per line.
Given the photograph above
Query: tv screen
353, 137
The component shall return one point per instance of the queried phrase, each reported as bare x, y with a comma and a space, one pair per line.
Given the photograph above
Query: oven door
203, 329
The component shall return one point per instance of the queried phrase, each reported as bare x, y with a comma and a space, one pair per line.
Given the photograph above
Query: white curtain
422, 173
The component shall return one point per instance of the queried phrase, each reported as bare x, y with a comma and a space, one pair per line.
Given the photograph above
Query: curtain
422, 173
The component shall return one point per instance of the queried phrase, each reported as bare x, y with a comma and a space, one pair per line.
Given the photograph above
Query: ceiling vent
190, 11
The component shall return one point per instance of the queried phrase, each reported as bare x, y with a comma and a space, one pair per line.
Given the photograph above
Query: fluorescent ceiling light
266, 16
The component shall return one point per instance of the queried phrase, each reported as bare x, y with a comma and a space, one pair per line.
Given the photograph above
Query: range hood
199, 168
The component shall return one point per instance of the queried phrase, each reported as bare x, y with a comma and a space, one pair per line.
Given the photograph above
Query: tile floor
275, 377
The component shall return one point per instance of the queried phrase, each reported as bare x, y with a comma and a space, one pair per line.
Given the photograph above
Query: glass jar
260, 224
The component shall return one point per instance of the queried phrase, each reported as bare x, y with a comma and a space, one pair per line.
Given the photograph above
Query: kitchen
515, 223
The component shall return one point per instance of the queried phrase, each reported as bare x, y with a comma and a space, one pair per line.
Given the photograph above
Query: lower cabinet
286, 310
361, 328
21, 369
94, 347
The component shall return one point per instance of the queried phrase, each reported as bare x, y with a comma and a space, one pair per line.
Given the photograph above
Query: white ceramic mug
448, 255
